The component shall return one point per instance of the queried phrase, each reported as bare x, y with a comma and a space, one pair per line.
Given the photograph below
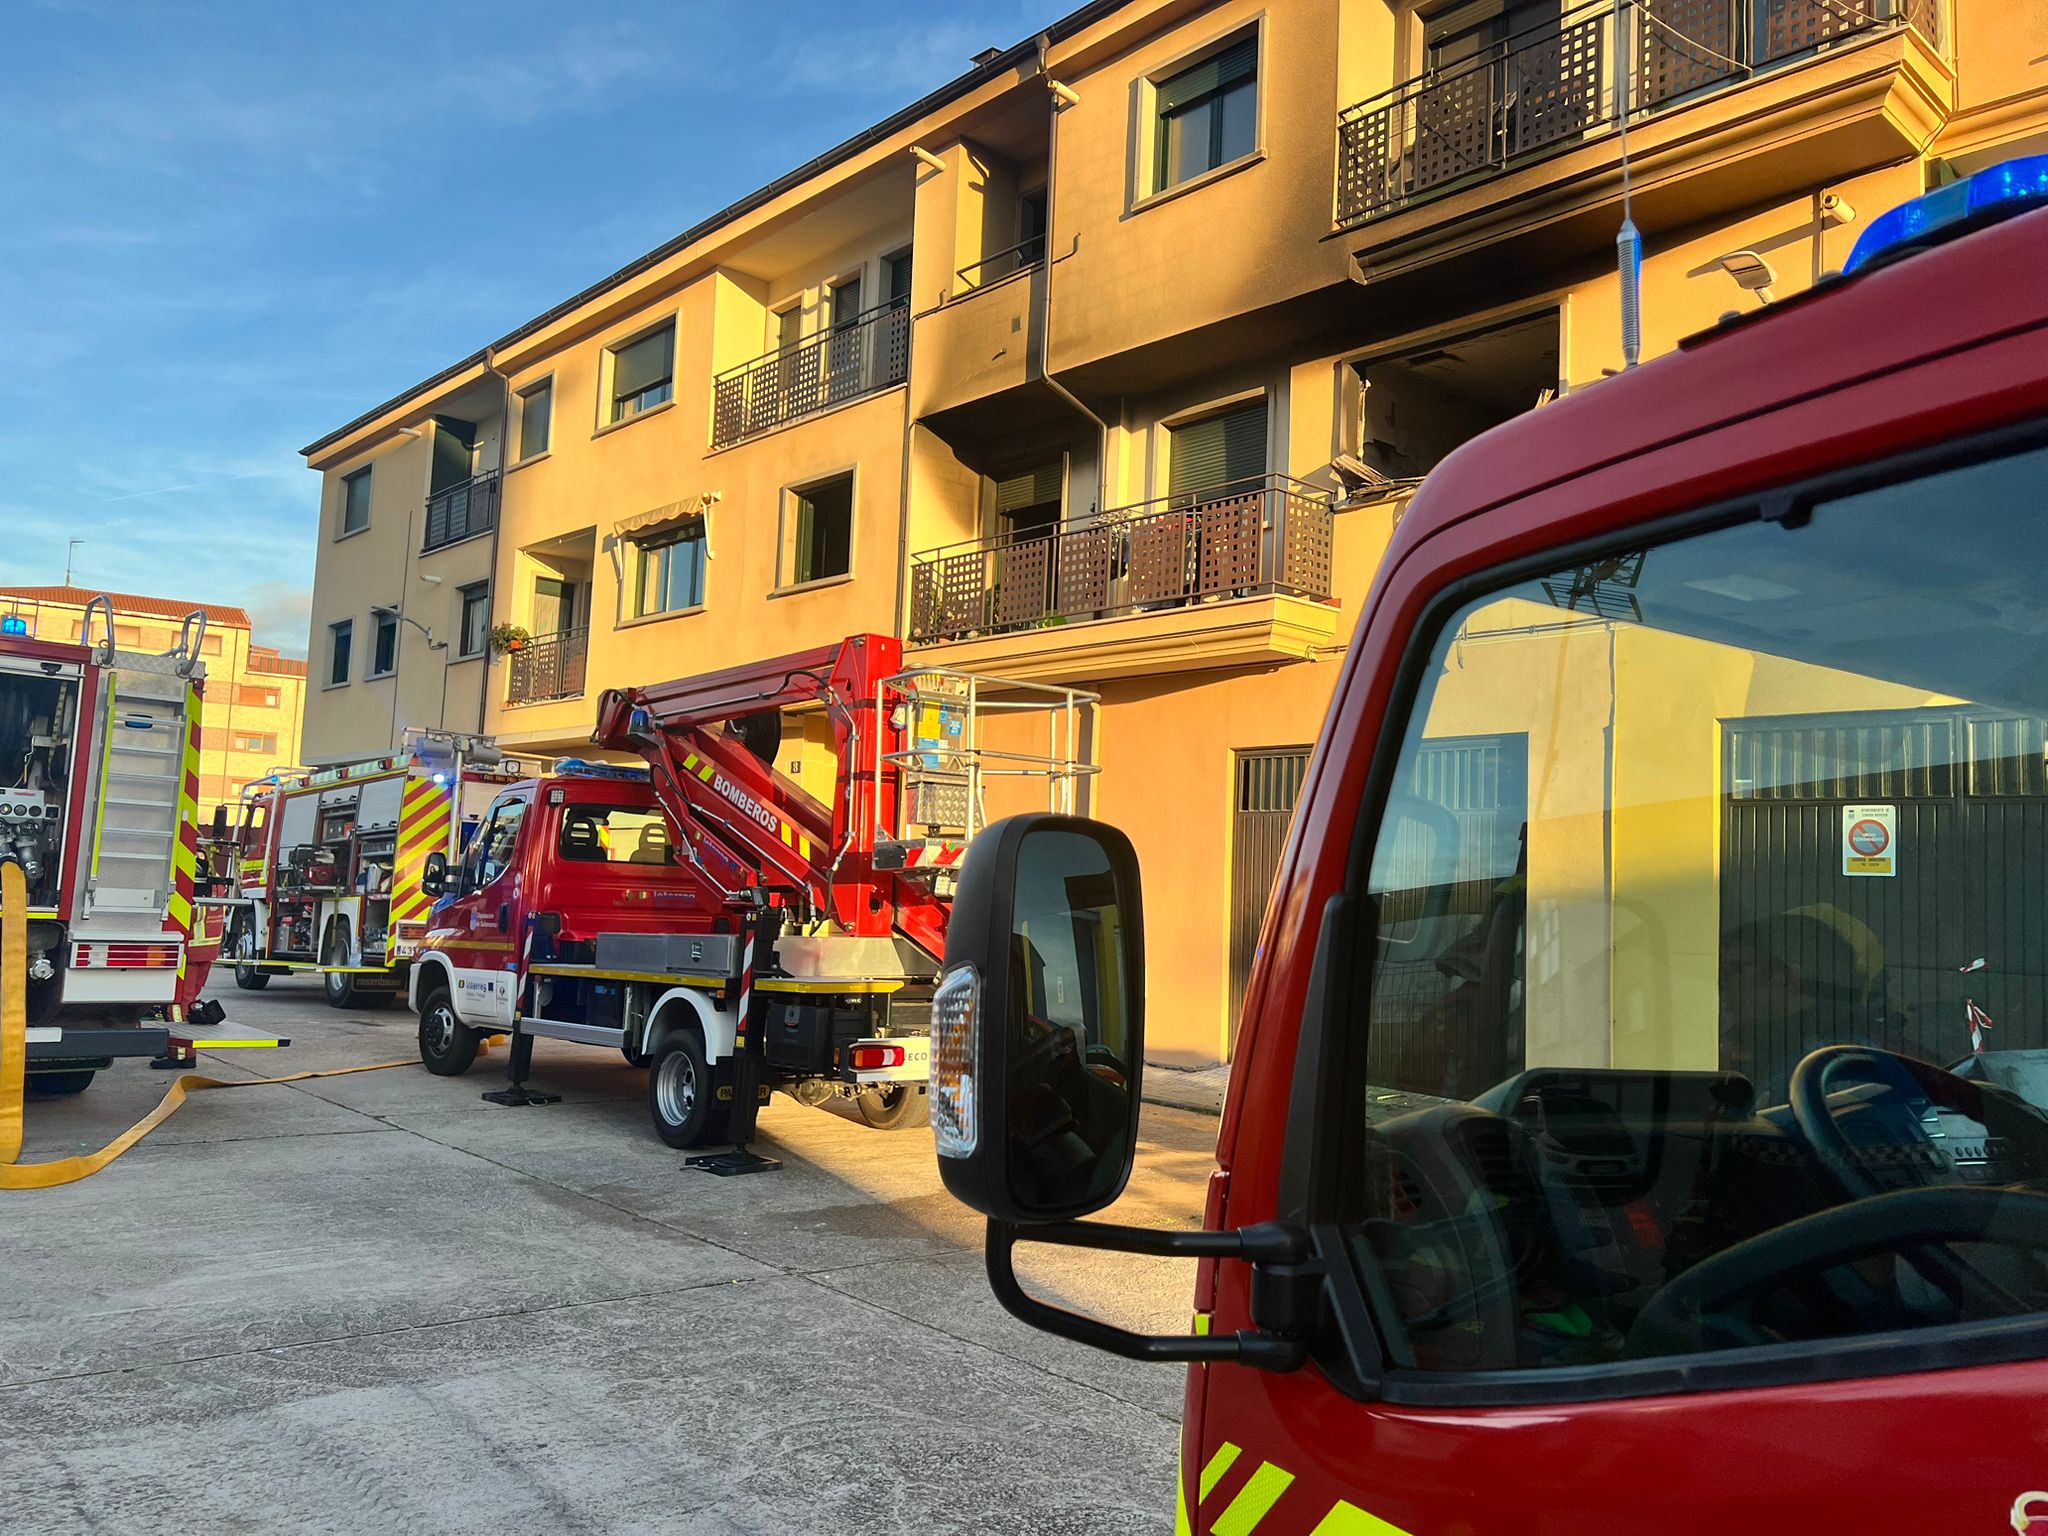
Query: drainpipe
483, 692
1062, 98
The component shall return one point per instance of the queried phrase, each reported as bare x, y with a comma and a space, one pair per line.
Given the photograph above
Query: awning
664, 519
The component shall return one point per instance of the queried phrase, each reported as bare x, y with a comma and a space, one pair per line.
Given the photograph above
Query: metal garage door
1810, 952
1268, 784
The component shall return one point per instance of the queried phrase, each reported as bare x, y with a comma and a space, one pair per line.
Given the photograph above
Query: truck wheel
340, 986
59, 1085
635, 1058
247, 977
900, 1107
680, 1096
447, 1045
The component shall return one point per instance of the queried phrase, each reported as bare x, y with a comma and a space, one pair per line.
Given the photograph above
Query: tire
639, 1059
59, 1085
247, 976
339, 986
899, 1107
447, 1045
681, 1098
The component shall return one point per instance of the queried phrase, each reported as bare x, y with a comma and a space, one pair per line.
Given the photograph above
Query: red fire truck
99, 783
1640, 1119
713, 920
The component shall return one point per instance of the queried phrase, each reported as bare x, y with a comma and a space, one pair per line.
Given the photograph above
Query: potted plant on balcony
506, 638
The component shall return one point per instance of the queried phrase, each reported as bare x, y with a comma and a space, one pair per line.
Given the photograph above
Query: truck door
488, 915
1655, 1223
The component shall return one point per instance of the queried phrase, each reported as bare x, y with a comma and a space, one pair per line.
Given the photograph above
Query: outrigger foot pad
728, 1164
519, 1097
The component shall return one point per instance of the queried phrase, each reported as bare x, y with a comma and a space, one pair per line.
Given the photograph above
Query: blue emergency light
14, 625
1995, 191
584, 768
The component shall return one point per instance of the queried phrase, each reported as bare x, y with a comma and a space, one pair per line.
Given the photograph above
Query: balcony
856, 357
1265, 538
547, 667
457, 512
1525, 133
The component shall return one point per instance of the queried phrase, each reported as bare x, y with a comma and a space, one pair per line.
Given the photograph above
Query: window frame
608, 418
544, 385
463, 594
695, 531
343, 630
1147, 172
378, 627
786, 525
348, 483
1320, 1141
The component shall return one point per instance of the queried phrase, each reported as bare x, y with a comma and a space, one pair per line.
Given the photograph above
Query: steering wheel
1909, 1223
1815, 1116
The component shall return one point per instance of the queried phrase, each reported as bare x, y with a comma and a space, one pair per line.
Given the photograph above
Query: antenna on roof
72, 545
1628, 240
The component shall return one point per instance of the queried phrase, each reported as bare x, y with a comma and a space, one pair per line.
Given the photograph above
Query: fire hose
14, 1064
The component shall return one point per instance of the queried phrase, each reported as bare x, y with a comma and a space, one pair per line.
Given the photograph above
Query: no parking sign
1870, 840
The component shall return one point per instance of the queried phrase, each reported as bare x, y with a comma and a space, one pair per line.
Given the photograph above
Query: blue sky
227, 228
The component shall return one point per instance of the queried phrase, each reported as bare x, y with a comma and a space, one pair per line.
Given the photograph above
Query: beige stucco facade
1377, 309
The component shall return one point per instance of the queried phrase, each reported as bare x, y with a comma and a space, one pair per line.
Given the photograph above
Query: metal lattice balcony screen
461, 510
547, 667
855, 357
1251, 538
1553, 81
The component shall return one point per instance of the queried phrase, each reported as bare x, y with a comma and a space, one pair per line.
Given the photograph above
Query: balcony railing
461, 510
547, 667
1251, 538
1554, 82
997, 265
855, 357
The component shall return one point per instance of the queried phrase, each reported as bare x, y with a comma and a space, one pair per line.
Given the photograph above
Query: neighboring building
1114, 363
255, 698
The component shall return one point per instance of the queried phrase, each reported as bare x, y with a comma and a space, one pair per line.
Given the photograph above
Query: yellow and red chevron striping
423, 815
185, 850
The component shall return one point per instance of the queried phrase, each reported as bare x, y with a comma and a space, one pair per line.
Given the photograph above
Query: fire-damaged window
1411, 408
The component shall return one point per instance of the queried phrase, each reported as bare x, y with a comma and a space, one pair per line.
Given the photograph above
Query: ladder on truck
146, 723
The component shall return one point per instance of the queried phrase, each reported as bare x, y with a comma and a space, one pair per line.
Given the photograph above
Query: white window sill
1208, 178
631, 421
801, 587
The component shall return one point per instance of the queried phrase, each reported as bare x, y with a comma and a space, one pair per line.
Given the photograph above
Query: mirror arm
1263, 1351
1274, 1242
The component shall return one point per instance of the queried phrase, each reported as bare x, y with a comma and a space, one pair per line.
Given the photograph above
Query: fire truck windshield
1710, 1001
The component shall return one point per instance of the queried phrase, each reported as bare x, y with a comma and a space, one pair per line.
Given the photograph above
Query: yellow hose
13, 1062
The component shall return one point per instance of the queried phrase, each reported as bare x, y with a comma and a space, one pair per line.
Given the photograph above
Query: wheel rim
437, 1030
675, 1088
245, 948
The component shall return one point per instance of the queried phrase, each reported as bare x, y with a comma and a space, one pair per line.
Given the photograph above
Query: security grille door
1268, 784
1811, 951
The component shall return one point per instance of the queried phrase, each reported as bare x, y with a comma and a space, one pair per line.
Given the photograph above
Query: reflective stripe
1259, 1494
1349, 1520
1220, 1463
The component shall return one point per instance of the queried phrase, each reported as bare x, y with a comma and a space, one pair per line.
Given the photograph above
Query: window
818, 532
340, 639
1031, 228
475, 626
212, 645
642, 373
612, 834
1207, 115
249, 741
896, 272
492, 850
536, 406
668, 573
255, 696
355, 502
1223, 454
1027, 499
384, 645
1675, 917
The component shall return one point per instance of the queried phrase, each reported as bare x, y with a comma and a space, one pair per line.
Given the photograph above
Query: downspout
483, 692
1052, 166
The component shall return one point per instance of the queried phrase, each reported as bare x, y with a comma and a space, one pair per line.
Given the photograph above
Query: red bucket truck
713, 920
1640, 1118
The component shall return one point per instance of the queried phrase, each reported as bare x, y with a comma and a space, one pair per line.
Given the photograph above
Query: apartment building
1113, 363
255, 697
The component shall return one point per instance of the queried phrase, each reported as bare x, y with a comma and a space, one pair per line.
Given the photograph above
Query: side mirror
220, 824
434, 876
1038, 1021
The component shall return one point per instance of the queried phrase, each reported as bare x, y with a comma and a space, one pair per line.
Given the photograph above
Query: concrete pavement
373, 1303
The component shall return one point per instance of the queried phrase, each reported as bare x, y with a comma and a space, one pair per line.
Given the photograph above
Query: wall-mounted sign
1870, 836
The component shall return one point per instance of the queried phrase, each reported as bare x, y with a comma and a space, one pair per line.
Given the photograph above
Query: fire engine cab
1659, 1143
